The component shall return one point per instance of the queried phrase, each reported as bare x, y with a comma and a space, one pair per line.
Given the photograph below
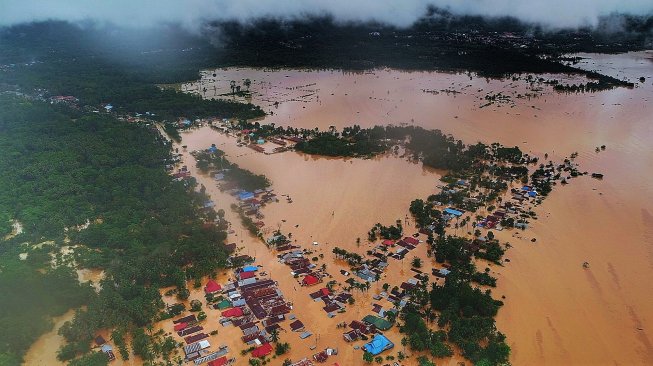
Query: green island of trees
216, 161
456, 312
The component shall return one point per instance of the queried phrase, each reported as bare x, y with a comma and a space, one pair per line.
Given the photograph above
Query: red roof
233, 312
388, 242
219, 362
325, 291
180, 326
411, 241
246, 275
310, 280
212, 287
262, 351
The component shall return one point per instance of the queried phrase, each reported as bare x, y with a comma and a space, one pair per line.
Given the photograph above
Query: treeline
438, 41
144, 229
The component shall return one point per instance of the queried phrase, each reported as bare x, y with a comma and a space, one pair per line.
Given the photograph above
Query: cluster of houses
403, 246
308, 275
251, 139
255, 144
255, 305
370, 327
249, 202
197, 346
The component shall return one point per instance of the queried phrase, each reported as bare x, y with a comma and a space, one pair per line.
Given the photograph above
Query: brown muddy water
556, 312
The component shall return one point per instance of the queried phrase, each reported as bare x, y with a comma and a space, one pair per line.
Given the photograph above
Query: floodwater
556, 312
334, 202
44, 350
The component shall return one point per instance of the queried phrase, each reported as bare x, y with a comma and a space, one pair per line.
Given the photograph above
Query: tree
91, 359
281, 348
247, 83
368, 357
195, 305
274, 335
417, 262
232, 84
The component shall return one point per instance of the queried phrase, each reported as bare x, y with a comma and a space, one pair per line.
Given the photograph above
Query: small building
243, 196
310, 280
262, 351
232, 313
212, 287
453, 212
379, 323
378, 344
297, 326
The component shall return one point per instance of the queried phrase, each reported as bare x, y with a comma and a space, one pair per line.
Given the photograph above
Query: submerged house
378, 344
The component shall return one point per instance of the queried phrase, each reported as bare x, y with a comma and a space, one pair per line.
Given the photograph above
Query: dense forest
64, 170
107, 64
62, 59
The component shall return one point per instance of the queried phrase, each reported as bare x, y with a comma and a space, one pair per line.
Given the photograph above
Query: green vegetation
91, 359
144, 229
386, 232
281, 348
354, 142
215, 161
421, 338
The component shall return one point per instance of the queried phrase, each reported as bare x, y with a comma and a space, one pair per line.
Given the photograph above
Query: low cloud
192, 14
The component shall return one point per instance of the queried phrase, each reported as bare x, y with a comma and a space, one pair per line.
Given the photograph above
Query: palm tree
247, 83
274, 335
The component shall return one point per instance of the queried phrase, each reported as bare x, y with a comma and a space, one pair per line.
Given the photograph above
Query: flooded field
556, 312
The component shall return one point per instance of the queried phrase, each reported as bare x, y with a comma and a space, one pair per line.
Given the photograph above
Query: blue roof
245, 195
451, 211
378, 344
532, 193
250, 269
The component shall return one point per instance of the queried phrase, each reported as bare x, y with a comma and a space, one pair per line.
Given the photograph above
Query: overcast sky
192, 13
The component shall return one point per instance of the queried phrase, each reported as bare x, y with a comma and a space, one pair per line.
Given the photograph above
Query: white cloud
192, 13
